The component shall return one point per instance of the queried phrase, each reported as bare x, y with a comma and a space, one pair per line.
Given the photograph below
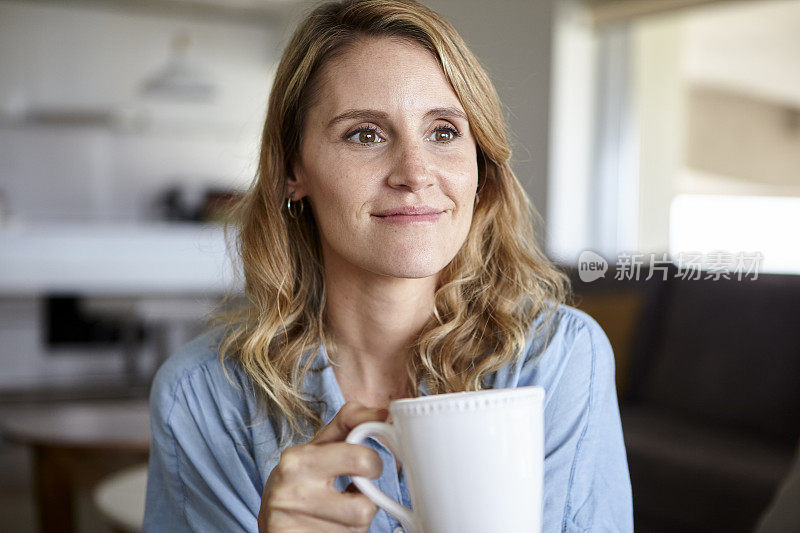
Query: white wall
573, 104
72, 58
659, 87
752, 48
750, 145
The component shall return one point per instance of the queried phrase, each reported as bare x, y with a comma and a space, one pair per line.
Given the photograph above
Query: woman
388, 253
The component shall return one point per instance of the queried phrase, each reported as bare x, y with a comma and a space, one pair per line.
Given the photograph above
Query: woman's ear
296, 183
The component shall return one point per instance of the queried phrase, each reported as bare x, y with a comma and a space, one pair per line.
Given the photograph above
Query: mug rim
503, 395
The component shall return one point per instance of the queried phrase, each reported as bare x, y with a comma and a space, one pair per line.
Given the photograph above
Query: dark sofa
711, 410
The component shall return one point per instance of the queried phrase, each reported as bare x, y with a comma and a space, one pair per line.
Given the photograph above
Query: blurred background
658, 139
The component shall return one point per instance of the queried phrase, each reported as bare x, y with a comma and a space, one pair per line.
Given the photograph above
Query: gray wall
512, 39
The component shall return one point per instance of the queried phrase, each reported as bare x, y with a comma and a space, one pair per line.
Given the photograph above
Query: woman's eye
443, 134
365, 136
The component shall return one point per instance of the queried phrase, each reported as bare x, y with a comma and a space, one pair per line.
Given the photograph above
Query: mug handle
367, 486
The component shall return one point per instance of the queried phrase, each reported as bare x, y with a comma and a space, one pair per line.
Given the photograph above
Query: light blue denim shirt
211, 456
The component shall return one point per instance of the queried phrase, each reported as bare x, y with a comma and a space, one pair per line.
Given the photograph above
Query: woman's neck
374, 321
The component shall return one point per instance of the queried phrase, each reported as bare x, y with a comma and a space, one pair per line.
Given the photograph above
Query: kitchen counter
99, 259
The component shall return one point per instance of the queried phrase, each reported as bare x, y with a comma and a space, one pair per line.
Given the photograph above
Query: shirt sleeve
587, 484
202, 475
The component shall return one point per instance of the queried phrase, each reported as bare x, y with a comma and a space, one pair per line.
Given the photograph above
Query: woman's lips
409, 219
409, 215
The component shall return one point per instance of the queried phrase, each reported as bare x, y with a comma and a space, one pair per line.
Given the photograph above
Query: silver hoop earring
292, 210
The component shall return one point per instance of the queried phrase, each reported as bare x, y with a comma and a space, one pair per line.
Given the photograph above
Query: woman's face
387, 161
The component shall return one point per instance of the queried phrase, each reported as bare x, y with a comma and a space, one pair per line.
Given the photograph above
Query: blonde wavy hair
486, 297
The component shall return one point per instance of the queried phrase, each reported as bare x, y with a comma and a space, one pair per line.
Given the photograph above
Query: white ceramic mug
473, 460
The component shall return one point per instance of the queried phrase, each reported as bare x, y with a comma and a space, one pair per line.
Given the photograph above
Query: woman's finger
347, 509
348, 417
325, 462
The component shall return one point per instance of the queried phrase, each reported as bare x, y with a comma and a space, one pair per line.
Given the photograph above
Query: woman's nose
411, 170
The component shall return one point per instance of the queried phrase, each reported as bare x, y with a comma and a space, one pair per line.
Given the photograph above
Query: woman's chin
411, 267
416, 272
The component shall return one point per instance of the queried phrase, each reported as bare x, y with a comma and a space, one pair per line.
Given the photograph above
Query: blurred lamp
179, 79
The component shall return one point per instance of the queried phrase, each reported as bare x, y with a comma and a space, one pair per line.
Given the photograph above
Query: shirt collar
320, 384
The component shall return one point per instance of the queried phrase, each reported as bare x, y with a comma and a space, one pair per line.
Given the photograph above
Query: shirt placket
391, 485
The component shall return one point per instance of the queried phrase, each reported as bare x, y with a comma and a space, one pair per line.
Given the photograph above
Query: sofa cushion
728, 352
687, 476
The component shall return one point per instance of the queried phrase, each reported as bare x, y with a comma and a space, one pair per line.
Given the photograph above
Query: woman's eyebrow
359, 114
375, 115
451, 112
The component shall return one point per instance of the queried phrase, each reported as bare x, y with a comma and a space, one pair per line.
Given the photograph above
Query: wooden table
74, 446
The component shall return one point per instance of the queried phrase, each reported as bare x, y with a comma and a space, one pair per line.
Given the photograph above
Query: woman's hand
299, 494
